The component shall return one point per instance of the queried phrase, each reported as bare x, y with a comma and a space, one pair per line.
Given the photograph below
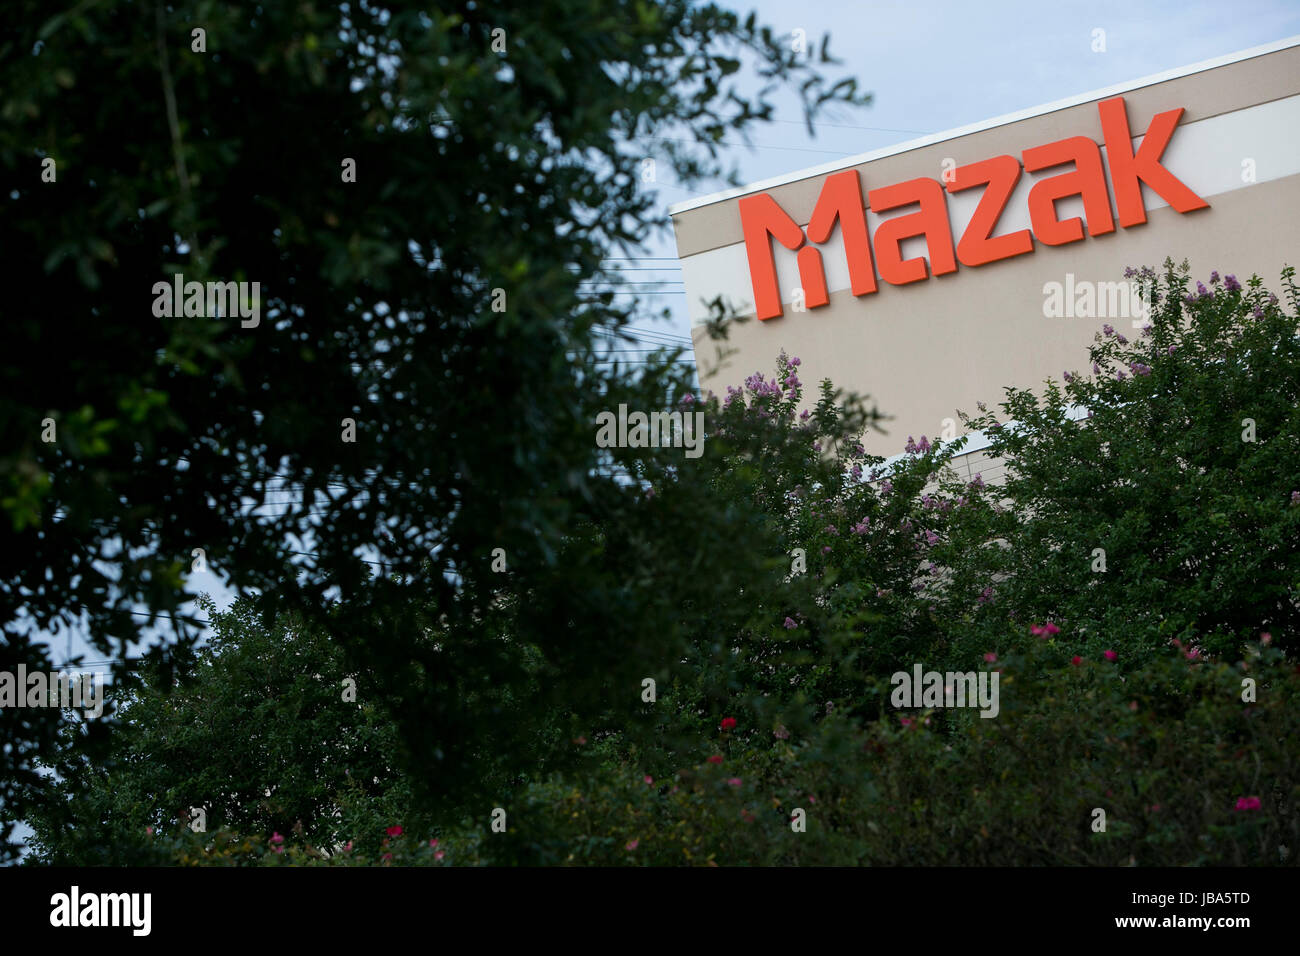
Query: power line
873, 129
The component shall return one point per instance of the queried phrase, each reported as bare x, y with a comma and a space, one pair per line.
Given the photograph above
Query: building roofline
1004, 120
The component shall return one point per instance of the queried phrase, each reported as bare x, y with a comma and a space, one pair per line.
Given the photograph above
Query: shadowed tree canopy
428, 201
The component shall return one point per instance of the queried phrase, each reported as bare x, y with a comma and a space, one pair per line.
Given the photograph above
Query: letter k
1126, 168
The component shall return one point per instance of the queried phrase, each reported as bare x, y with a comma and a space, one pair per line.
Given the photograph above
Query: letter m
762, 220
119, 904
222, 299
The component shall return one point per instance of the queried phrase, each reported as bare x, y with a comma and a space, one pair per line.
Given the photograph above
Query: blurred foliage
456, 302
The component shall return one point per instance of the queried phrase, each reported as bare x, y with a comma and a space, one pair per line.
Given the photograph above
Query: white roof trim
1033, 111
975, 441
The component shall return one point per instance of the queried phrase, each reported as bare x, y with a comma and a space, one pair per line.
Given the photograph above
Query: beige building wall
926, 349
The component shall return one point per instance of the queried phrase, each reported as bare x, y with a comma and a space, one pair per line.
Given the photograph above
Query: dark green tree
428, 201
269, 733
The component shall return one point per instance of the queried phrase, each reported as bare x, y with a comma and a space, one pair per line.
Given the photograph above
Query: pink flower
439, 855
728, 723
1076, 660
905, 721
1266, 638
781, 733
990, 657
347, 847
149, 830
394, 831
1248, 803
649, 779
388, 857
433, 842
1109, 655
632, 844
276, 838
734, 781
790, 625
716, 758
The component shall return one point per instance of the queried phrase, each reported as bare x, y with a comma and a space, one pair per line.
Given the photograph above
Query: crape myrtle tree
427, 201
1171, 511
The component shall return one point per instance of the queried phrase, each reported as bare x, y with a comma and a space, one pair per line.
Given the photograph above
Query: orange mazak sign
841, 200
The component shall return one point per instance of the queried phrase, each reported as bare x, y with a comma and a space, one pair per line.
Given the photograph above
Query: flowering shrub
1185, 772
1169, 510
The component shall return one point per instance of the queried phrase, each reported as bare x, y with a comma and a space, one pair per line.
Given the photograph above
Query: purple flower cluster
759, 386
917, 447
